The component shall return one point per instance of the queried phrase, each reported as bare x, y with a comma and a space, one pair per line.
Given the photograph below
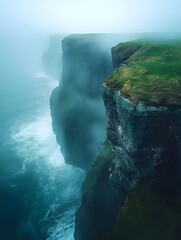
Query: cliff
77, 108
78, 113
142, 100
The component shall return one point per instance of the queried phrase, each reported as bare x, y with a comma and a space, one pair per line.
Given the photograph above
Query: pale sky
77, 16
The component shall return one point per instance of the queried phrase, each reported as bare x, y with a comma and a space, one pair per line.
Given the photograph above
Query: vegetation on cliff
101, 167
150, 74
148, 209
98, 195
148, 214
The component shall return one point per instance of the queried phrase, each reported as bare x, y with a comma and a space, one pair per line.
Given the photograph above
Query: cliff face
86, 63
100, 200
145, 170
144, 139
77, 108
78, 112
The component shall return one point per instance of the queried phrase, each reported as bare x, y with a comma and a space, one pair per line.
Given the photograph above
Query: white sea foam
34, 137
64, 229
35, 142
69, 199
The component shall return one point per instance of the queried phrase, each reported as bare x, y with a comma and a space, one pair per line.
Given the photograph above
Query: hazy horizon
104, 16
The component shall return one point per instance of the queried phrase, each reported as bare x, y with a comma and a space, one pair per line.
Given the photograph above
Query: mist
53, 16
46, 191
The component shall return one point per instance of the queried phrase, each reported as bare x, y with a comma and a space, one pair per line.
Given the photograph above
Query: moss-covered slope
99, 201
151, 72
148, 215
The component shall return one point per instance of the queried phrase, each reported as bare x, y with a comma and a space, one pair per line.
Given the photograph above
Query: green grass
147, 215
152, 75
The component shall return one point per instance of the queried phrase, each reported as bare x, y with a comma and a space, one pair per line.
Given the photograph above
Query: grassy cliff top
152, 74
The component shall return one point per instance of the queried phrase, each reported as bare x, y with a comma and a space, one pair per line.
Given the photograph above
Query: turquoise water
39, 192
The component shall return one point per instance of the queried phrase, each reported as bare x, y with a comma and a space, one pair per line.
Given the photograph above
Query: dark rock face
77, 108
146, 151
100, 200
124, 53
145, 141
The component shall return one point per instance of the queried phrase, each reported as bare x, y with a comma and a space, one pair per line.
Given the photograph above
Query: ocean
39, 193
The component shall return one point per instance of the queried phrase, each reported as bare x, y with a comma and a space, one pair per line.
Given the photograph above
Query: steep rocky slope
78, 113
77, 108
145, 137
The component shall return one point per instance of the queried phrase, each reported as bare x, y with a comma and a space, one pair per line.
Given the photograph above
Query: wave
36, 141
59, 185
33, 135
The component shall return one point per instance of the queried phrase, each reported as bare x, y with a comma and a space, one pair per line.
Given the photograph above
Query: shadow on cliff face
100, 200
79, 125
78, 112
